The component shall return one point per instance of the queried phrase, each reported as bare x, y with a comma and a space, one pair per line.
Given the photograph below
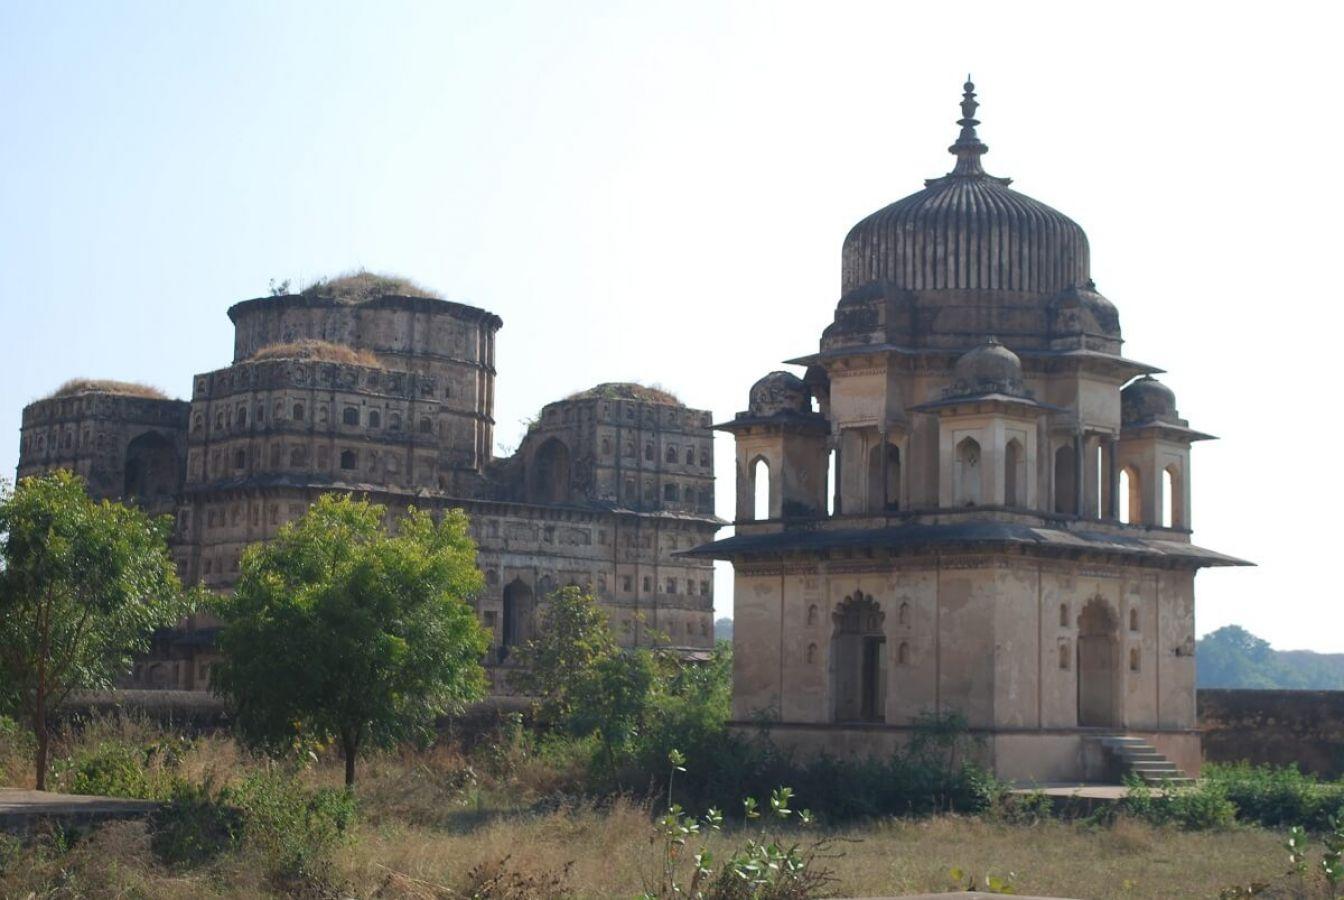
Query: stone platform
20, 809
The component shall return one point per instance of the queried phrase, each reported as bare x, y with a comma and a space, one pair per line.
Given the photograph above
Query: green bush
114, 768
1278, 796
195, 826
295, 830
1205, 806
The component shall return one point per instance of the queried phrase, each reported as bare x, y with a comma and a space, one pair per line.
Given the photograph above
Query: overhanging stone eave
1011, 537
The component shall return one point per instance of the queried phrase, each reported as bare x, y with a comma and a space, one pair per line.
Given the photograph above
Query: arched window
219, 421
903, 654
760, 489
298, 412
242, 417
322, 414
1173, 498
375, 419
670, 455
349, 460
426, 426
1063, 615
670, 492
239, 459
350, 416
832, 484
394, 422
690, 456
903, 614
1133, 620
1131, 496
812, 614
1065, 656
884, 477
1133, 659
551, 473
1014, 474
648, 452
151, 467
298, 456
968, 473
811, 653
1066, 487
606, 446
196, 423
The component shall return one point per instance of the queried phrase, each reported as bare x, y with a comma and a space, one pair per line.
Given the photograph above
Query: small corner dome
779, 392
1147, 400
989, 367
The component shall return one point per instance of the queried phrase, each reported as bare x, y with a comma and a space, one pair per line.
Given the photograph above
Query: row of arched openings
884, 481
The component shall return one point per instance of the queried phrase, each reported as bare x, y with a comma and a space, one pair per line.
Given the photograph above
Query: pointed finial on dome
968, 149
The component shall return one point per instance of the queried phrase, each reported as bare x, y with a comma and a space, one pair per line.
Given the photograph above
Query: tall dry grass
503, 821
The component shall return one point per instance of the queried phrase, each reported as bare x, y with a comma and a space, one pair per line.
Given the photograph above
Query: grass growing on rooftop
77, 386
315, 350
361, 286
628, 390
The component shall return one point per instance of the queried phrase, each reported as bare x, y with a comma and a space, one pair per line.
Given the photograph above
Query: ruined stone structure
361, 385
970, 503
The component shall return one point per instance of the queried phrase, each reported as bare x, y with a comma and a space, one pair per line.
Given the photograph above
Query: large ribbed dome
967, 231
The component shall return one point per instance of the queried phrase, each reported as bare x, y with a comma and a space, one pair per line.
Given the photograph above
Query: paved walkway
20, 809
1079, 790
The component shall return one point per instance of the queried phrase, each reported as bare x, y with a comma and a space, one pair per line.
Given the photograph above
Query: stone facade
936, 520
392, 398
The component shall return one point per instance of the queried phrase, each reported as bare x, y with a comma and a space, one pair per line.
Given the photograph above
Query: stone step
1143, 760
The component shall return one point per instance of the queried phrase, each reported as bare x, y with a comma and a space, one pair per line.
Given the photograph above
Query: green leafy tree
617, 691
574, 636
339, 631
83, 586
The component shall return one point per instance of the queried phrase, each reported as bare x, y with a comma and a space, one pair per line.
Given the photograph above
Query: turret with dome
980, 491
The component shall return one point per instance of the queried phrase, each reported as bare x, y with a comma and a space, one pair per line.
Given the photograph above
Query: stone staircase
1138, 757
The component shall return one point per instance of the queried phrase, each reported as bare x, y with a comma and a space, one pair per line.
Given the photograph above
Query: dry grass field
609, 853
440, 824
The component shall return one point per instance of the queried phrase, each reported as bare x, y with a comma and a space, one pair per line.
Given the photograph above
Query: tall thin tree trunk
40, 731
350, 747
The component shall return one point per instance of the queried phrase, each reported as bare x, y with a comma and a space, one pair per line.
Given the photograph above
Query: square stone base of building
1024, 757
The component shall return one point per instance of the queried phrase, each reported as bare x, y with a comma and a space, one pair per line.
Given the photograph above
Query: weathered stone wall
631, 454
119, 444
991, 637
452, 343
1279, 728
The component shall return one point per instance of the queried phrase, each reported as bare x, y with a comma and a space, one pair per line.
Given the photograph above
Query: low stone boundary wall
1274, 727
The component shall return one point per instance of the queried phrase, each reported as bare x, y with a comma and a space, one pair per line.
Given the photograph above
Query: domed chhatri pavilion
970, 503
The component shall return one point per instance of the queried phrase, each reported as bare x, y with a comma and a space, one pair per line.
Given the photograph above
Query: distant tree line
1232, 657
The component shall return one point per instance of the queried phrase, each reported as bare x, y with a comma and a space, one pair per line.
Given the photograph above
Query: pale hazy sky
659, 191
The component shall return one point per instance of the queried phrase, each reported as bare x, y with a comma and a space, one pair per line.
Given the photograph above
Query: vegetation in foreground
519, 815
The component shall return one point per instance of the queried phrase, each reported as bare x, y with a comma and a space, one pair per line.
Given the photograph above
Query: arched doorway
151, 467
551, 473
517, 625
858, 661
1098, 665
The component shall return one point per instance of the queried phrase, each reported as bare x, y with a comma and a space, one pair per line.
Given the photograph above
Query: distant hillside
1232, 657
723, 629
